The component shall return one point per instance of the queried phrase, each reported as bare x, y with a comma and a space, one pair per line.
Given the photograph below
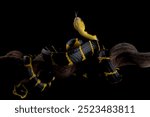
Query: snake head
78, 23
80, 27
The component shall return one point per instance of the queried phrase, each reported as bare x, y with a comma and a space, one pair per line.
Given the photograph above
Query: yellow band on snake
103, 58
38, 82
82, 54
67, 46
68, 58
98, 45
110, 73
29, 66
77, 43
91, 47
44, 86
17, 94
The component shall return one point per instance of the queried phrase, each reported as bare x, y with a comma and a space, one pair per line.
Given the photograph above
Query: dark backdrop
30, 27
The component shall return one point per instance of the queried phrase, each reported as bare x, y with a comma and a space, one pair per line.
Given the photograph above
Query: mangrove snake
76, 52
74, 56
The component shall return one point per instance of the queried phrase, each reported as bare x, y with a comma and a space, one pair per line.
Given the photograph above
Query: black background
28, 27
